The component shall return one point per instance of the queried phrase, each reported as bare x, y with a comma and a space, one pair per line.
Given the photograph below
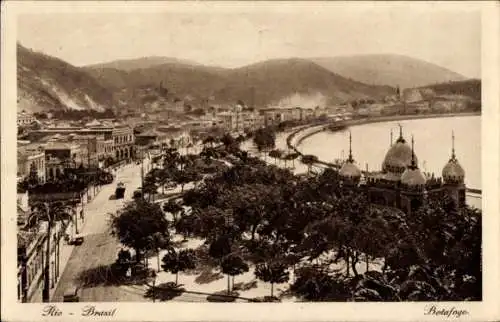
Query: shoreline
293, 142
313, 129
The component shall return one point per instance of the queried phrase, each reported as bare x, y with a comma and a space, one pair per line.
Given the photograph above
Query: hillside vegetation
48, 83
261, 84
470, 88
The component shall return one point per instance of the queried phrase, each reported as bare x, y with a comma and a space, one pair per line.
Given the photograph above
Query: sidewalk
65, 250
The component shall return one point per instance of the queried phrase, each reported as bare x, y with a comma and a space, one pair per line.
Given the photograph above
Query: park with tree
308, 236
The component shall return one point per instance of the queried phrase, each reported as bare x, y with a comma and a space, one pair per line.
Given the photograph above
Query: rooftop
60, 145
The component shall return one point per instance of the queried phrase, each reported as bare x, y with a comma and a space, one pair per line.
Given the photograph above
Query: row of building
54, 145
47, 151
239, 119
416, 101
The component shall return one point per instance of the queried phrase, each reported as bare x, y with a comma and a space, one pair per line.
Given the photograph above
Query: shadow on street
222, 296
207, 276
109, 275
165, 291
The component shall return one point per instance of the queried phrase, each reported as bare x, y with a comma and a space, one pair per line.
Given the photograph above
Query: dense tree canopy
264, 139
252, 213
137, 222
281, 217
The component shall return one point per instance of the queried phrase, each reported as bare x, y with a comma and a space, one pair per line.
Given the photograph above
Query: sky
233, 36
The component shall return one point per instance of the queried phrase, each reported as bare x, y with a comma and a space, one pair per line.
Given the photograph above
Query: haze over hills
386, 69
276, 80
46, 82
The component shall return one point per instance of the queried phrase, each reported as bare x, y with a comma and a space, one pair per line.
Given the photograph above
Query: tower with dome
400, 183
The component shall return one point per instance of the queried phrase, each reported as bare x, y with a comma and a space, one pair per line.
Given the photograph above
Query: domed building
401, 184
453, 176
349, 172
398, 158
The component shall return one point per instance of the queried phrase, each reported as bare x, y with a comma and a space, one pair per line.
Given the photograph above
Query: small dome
398, 158
453, 172
350, 170
413, 177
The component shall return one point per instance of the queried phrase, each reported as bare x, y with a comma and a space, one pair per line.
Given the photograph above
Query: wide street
100, 248
89, 262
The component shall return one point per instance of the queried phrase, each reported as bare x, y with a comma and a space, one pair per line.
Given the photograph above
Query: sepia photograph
282, 153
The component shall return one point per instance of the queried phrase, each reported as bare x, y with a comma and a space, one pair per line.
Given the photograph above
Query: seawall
295, 138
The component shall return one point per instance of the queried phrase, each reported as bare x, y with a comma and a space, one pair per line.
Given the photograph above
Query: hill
282, 80
470, 88
48, 83
392, 70
286, 81
141, 63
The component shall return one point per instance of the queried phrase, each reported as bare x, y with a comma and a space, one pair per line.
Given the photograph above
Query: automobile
76, 240
137, 193
120, 190
107, 178
71, 294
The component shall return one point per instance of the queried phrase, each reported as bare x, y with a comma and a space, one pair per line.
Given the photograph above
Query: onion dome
349, 170
453, 171
412, 176
399, 156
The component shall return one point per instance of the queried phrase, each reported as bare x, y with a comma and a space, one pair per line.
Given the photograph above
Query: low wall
301, 134
296, 137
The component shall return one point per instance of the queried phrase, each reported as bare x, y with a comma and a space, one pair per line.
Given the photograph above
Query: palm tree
309, 160
274, 272
276, 154
159, 241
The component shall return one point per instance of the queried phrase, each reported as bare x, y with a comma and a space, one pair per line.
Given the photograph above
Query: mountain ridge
389, 69
47, 82
140, 63
260, 84
372, 69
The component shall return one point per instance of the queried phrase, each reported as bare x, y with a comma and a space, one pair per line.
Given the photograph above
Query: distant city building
29, 160
412, 95
25, 118
61, 155
121, 135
